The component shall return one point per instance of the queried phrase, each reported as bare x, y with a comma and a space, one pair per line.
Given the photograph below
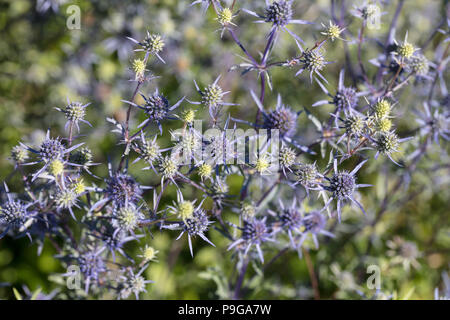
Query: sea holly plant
252, 166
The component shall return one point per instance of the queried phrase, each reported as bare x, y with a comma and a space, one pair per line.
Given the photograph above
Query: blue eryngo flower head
195, 221
127, 217
66, 198
220, 188
133, 283
148, 253
345, 99
383, 125
287, 158
168, 168
367, 12
212, 97
75, 113
148, 150
307, 175
342, 186
197, 225
332, 31
157, 108
404, 50
312, 60
122, 188
388, 143
82, 157
279, 14
14, 214
419, 65
19, 154
248, 210
205, 171
152, 44
262, 164
92, 266
139, 67
404, 252
354, 126
282, 118
289, 220
188, 116
187, 144
433, 123
313, 224
50, 150
183, 209
255, 232
225, 17
382, 108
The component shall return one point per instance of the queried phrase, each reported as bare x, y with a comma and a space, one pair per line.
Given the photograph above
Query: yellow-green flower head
382, 108
148, 253
287, 157
65, 198
387, 143
313, 60
332, 31
75, 111
205, 171
383, 125
405, 50
262, 164
78, 186
225, 16
307, 175
189, 142
56, 167
212, 95
168, 167
188, 116
19, 154
185, 209
153, 43
248, 211
127, 218
138, 67
354, 125
149, 150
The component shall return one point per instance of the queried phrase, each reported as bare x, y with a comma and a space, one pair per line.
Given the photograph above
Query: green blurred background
42, 63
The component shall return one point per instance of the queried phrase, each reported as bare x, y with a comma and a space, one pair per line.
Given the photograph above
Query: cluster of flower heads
115, 210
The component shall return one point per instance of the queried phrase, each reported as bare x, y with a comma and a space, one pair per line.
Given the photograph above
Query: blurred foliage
42, 63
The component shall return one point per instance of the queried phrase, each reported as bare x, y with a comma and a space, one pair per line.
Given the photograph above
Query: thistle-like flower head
279, 12
122, 188
342, 186
127, 217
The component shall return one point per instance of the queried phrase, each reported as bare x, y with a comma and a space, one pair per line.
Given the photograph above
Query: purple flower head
342, 186
255, 232
279, 14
